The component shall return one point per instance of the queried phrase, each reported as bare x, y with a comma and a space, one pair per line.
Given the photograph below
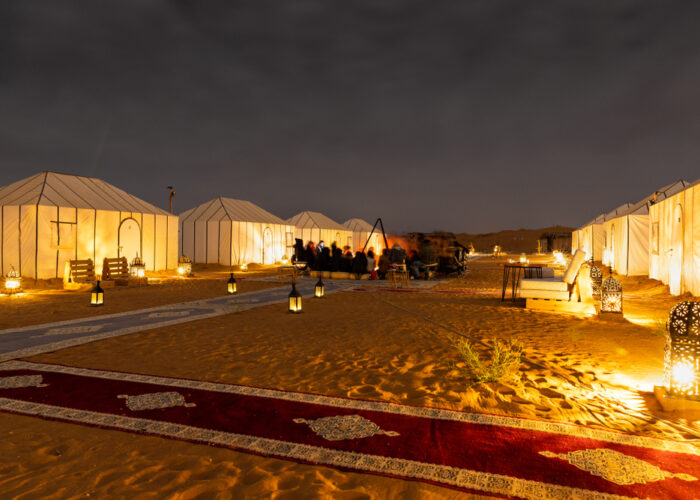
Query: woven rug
498, 455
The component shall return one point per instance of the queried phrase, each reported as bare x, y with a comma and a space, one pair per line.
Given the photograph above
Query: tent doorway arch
675, 268
268, 256
129, 239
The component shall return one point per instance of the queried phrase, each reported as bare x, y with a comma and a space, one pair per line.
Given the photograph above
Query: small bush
504, 362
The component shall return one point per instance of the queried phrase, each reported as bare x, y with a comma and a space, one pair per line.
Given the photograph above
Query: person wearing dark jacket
359, 264
346, 261
336, 259
323, 260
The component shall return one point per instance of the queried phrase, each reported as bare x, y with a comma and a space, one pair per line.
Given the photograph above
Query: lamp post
295, 300
97, 297
231, 287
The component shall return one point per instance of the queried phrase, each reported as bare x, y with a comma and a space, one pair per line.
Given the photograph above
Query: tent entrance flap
129, 239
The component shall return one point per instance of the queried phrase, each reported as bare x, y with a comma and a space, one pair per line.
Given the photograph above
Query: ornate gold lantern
97, 297
611, 296
184, 266
294, 300
137, 268
13, 281
285, 260
682, 352
231, 285
320, 289
596, 279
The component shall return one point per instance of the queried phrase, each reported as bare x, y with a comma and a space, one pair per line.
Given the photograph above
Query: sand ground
376, 345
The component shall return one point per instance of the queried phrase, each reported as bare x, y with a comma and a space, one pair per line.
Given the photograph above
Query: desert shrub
504, 363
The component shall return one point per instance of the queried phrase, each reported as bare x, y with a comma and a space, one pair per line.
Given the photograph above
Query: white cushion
555, 284
576, 263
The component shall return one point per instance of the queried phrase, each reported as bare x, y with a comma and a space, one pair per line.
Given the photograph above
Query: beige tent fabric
674, 248
314, 226
361, 231
233, 232
626, 236
50, 218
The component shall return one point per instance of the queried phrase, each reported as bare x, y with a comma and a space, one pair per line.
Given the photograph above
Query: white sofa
559, 288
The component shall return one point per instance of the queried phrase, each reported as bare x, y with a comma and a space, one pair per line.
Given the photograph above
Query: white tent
314, 226
626, 235
589, 238
674, 248
226, 231
50, 218
361, 232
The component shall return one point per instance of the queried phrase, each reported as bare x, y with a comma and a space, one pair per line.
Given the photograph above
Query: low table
513, 272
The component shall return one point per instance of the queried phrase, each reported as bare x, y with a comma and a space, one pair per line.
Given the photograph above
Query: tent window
655, 238
289, 239
63, 235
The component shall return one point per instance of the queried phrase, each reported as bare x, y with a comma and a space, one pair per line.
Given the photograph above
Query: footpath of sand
356, 344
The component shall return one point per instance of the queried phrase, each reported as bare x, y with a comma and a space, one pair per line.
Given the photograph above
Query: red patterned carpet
503, 456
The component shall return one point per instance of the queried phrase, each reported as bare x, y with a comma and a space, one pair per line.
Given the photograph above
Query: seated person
359, 264
346, 261
336, 258
371, 264
426, 256
397, 255
383, 264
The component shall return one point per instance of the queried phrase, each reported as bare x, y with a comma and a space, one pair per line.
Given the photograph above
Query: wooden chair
115, 269
78, 271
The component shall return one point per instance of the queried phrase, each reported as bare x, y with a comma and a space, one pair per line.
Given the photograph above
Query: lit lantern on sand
559, 258
320, 289
137, 268
596, 279
13, 281
294, 300
523, 259
611, 296
682, 352
231, 285
184, 266
97, 297
244, 267
285, 260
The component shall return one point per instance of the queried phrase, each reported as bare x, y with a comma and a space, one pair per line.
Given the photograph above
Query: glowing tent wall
674, 246
314, 226
626, 244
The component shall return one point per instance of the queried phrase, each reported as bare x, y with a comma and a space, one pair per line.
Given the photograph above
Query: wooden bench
115, 269
78, 271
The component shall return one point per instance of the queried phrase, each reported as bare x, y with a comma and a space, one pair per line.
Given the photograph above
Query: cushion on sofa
576, 263
554, 284
544, 294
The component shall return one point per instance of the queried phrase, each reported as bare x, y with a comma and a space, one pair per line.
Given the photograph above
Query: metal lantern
97, 297
285, 260
13, 281
682, 352
320, 289
596, 279
231, 285
523, 259
137, 268
294, 300
184, 266
611, 296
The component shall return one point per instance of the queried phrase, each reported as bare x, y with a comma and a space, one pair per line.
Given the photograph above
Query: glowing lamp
524, 259
682, 352
244, 267
97, 297
320, 289
184, 266
294, 300
231, 285
13, 281
285, 260
137, 268
611, 296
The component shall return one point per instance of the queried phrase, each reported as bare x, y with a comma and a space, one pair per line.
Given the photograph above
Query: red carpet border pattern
499, 455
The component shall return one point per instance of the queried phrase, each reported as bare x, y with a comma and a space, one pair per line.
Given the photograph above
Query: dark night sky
459, 115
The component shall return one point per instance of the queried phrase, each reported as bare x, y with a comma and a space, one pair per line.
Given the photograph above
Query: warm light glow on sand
180, 270
11, 284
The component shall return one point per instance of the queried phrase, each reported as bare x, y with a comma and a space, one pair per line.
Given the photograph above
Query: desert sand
371, 344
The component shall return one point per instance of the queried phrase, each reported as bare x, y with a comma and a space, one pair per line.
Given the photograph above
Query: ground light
320, 289
294, 300
611, 296
137, 268
231, 287
184, 266
97, 297
13, 281
681, 388
596, 279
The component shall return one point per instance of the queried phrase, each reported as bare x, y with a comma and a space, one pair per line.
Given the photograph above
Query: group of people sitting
323, 258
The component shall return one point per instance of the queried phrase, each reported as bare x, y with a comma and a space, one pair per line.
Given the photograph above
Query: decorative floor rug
497, 455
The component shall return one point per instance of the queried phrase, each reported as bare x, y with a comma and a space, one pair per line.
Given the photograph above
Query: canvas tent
50, 218
361, 232
674, 248
314, 226
626, 235
591, 237
233, 232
